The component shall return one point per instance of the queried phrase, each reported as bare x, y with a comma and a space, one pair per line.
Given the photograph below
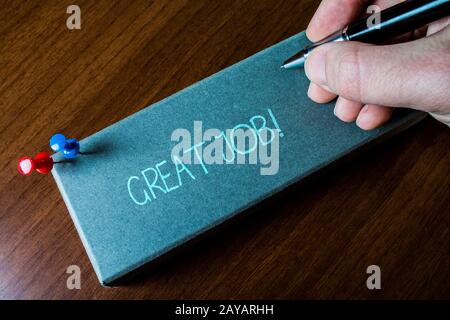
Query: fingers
333, 15
367, 117
372, 116
319, 94
347, 110
413, 74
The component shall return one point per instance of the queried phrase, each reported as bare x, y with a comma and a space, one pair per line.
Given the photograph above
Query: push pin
70, 148
42, 163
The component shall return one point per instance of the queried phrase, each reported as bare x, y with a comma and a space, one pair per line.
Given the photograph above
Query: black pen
394, 21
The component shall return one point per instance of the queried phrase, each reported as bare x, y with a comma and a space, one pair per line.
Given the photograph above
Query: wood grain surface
388, 206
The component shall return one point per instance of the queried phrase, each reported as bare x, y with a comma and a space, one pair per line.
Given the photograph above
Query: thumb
413, 74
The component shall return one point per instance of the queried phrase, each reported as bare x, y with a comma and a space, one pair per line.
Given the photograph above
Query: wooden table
388, 206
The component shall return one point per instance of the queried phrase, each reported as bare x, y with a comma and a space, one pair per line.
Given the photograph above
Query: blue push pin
69, 147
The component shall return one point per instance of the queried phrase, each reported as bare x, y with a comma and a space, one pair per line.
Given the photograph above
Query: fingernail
315, 66
363, 118
309, 90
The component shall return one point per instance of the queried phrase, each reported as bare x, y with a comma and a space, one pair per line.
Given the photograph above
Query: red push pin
42, 162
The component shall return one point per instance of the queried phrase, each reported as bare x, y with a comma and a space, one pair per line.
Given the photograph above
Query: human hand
371, 80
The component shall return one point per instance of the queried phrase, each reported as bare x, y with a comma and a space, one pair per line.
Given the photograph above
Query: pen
394, 21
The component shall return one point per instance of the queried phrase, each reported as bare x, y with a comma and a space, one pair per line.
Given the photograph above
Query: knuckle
347, 79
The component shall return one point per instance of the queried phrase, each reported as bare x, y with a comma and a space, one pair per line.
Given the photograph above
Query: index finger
333, 15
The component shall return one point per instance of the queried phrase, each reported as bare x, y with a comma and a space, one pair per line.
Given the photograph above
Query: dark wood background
388, 206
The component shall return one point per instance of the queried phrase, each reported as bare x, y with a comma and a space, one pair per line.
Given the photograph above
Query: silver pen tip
296, 61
